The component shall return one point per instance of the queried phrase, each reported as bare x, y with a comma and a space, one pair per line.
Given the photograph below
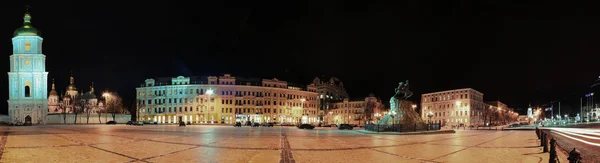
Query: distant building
65, 104
330, 91
354, 112
453, 107
226, 99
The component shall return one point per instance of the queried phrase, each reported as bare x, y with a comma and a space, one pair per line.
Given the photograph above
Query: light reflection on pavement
152, 143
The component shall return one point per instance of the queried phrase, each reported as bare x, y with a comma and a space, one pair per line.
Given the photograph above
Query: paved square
204, 143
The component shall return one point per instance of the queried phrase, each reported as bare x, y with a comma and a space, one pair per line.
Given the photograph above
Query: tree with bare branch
114, 105
80, 102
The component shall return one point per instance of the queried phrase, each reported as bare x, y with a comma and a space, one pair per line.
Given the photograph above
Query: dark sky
512, 51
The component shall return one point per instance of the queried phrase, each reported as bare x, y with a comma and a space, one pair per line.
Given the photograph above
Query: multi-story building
225, 99
355, 112
453, 107
330, 91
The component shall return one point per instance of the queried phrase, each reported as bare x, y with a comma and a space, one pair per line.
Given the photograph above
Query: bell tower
27, 79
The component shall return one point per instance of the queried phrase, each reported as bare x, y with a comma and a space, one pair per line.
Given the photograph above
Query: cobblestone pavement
121, 143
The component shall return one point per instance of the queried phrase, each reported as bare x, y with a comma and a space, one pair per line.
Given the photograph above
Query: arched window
27, 46
27, 91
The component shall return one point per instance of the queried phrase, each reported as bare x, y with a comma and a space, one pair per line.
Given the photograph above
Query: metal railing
547, 140
402, 127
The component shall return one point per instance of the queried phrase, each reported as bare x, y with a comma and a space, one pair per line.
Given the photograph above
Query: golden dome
53, 91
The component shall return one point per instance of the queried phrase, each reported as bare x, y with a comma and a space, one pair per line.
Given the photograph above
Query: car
129, 123
255, 124
111, 122
138, 123
181, 123
306, 126
333, 125
514, 125
189, 123
237, 124
269, 124
345, 127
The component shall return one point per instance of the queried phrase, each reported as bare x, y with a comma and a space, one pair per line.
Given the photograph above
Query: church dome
71, 86
53, 93
27, 29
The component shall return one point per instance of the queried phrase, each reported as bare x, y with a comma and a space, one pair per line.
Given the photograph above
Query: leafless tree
114, 105
79, 104
100, 111
63, 106
89, 107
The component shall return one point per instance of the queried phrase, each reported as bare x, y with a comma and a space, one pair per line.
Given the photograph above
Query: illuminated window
27, 46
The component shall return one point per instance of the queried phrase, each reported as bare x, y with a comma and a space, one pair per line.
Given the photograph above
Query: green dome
27, 29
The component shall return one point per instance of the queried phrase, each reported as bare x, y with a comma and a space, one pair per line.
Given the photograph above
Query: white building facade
453, 107
225, 100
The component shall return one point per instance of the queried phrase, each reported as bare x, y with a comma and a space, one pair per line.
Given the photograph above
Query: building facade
358, 112
453, 107
27, 78
225, 100
330, 92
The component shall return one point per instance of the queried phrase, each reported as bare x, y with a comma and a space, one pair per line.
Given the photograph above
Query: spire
72, 82
92, 88
27, 29
53, 91
27, 17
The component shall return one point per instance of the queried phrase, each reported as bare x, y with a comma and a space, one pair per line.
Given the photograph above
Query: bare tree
89, 107
79, 104
100, 111
369, 109
114, 105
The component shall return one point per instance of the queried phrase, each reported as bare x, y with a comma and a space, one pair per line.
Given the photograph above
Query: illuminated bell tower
27, 79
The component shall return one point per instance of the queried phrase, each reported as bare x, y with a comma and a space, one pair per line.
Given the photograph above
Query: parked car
189, 123
514, 125
255, 124
111, 122
345, 127
306, 126
248, 123
237, 124
269, 124
138, 123
181, 123
129, 123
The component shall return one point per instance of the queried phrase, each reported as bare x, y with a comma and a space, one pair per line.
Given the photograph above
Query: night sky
515, 52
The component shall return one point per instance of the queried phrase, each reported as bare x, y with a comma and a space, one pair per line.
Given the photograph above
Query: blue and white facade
27, 78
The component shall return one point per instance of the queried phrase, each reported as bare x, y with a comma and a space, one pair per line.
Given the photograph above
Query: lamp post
307, 117
430, 114
393, 114
377, 115
209, 92
106, 96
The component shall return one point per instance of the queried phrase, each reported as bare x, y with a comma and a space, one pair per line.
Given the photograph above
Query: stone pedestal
405, 115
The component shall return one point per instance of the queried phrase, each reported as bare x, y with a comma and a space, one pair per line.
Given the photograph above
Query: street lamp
209, 92
392, 114
414, 106
430, 114
377, 115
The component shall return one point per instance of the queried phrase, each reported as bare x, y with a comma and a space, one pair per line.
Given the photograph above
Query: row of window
223, 110
228, 92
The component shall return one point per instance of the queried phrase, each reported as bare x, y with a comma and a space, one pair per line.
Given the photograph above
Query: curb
409, 133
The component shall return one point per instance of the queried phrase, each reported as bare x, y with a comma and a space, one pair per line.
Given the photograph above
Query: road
150, 143
584, 137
